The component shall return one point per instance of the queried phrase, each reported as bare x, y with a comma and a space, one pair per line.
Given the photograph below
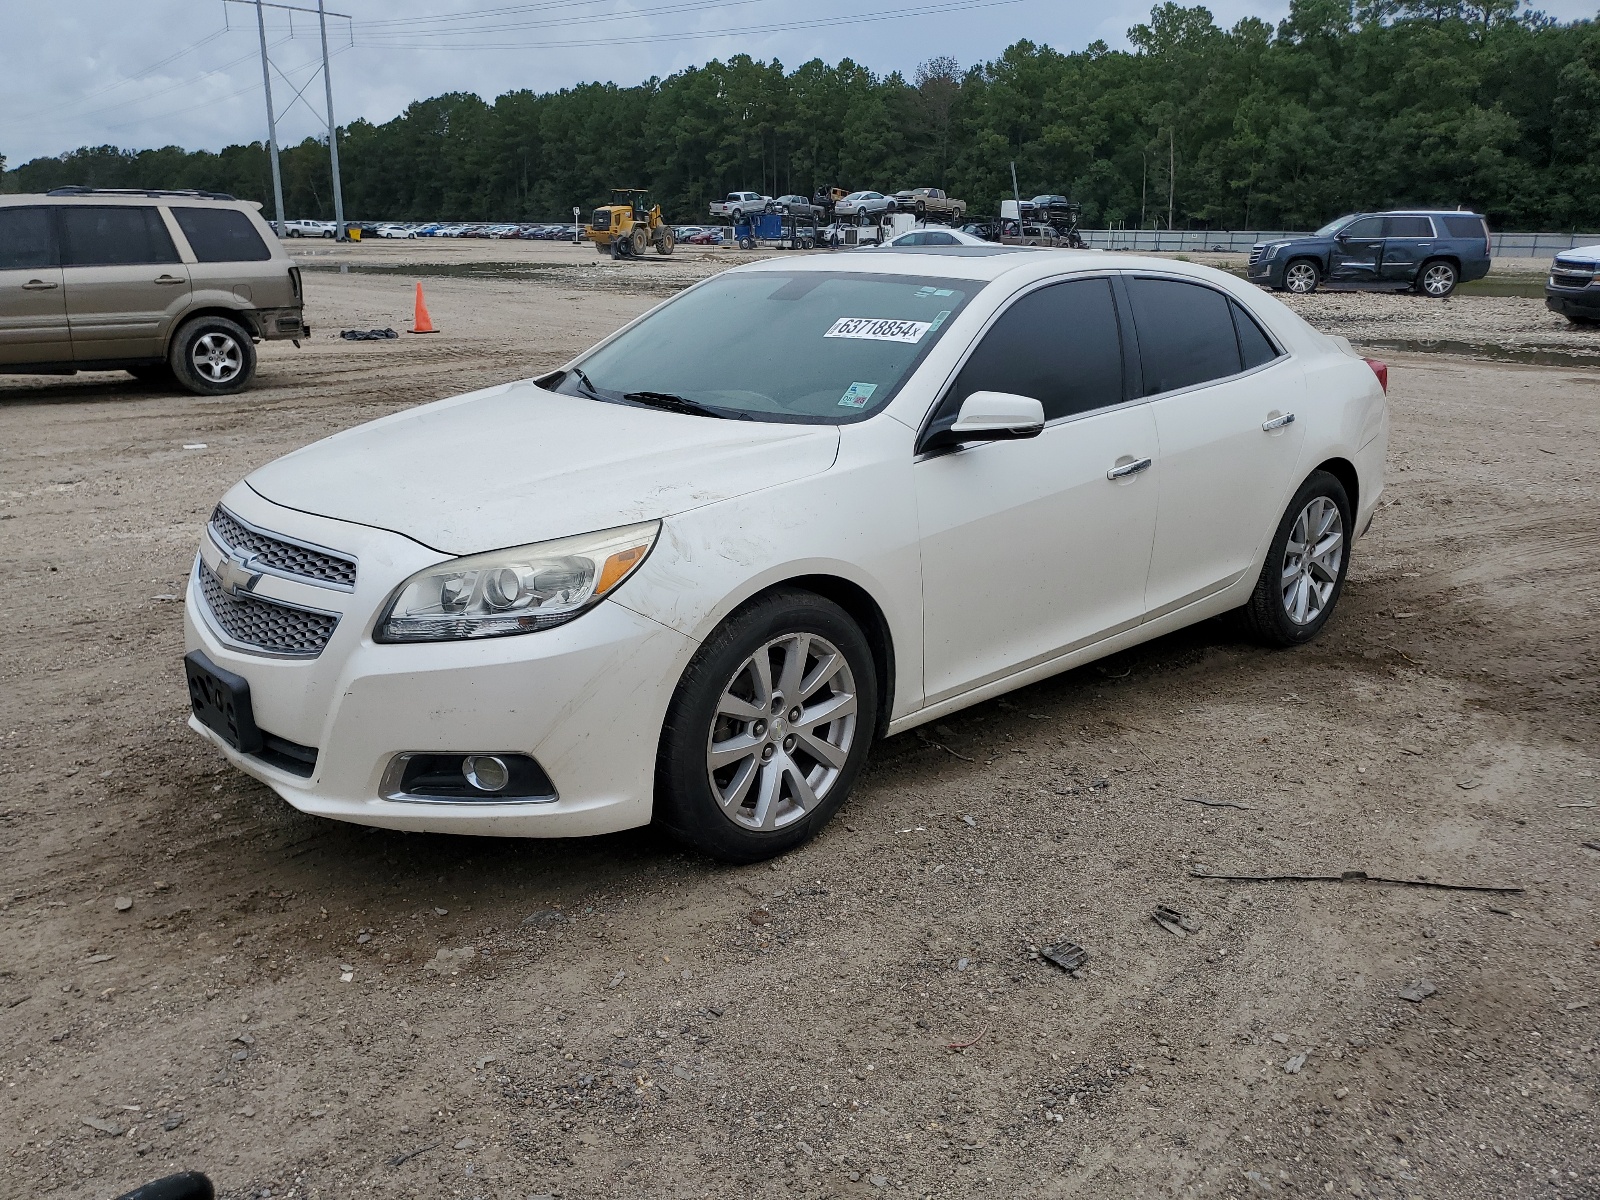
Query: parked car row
523, 230
860, 208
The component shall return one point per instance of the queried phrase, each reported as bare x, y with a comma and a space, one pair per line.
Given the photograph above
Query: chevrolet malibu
807, 503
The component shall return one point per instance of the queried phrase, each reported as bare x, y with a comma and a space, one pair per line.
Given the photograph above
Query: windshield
806, 347
1333, 227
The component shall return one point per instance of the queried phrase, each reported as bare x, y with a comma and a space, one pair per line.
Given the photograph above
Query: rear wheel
1303, 577
638, 241
768, 730
1437, 279
212, 356
1301, 277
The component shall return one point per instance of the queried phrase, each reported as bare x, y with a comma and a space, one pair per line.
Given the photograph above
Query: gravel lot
193, 975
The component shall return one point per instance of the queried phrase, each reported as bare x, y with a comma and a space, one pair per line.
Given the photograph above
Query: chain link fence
1239, 241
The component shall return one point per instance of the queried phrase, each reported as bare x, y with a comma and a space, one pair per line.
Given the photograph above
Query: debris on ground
123, 903
109, 1128
1215, 803
1418, 991
928, 741
1069, 956
1295, 1062
968, 1045
1180, 924
401, 1159
450, 962
1358, 877
367, 335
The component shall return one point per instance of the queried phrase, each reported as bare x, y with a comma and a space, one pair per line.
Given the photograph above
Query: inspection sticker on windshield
857, 395
876, 329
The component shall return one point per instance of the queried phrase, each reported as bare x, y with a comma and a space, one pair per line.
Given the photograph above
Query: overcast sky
140, 73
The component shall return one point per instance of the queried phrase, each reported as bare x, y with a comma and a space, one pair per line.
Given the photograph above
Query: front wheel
1301, 277
1301, 581
212, 356
666, 241
1437, 279
768, 729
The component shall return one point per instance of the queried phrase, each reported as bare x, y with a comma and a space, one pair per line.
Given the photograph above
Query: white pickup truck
321, 229
739, 205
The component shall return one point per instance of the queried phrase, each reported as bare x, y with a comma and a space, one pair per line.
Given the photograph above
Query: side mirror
990, 417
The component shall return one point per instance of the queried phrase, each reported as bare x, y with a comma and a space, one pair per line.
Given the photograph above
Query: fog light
485, 772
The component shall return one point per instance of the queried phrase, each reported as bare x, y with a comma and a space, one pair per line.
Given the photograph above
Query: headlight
519, 590
1274, 247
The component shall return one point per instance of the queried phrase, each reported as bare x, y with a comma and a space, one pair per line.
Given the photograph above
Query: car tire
1296, 593
212, 356
744, 807
1301, 277
666, 242
1437, 279
327, 233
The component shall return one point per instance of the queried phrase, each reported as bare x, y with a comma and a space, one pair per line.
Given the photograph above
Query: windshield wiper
583, 382
676, 403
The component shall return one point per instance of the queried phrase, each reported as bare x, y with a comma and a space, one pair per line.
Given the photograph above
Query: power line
126, 79
627, 14
392, 41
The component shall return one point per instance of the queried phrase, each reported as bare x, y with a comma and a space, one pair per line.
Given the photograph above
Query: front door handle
166, 280
1126, 469
1278, 422
37, 285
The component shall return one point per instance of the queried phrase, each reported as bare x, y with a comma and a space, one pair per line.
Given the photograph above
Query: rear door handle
1126, 469
169, 279
37, 285
1278, 422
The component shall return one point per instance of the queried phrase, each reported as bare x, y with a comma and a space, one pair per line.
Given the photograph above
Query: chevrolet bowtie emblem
235, 575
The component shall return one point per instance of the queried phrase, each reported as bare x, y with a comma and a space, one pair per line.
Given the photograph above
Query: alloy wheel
1439, 280
217, 358
1312, 560
784, 728
1300, 278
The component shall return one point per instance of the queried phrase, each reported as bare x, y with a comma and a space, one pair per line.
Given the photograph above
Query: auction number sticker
877, 329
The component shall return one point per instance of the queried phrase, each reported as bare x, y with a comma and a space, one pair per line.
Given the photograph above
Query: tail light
294, 281
1486, 242
1381, 370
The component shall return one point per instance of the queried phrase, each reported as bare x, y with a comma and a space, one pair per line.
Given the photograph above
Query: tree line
1344, 105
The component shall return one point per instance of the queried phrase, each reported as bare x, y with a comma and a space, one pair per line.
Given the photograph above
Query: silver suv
163, 285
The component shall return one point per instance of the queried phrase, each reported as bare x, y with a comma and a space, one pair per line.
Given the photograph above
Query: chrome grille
1255, 254
266, 624
281, 556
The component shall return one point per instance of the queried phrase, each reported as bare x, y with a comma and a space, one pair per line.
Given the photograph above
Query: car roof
212, 200
978, 263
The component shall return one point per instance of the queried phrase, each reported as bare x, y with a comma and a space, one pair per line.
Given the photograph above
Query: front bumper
1584, 304
1268, 272
586, 699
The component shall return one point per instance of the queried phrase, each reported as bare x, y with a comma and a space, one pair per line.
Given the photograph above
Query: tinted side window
1255, 347
114, 236
1463, 227
1186, 334
27, 238
221, 235
1367, 227
1407, 227
1060, 345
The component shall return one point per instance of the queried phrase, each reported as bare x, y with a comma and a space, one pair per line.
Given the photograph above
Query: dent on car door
33, 312
1407, 243
124, 280
1357, 251
1029, 548
1224, 401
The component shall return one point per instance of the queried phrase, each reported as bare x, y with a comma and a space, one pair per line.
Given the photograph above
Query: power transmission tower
272, 122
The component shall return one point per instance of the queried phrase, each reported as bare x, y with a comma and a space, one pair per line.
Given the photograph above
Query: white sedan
683, 582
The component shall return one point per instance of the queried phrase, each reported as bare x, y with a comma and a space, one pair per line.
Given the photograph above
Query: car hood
1588, 255
517, 464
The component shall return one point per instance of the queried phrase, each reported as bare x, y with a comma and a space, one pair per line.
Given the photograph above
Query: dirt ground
194, 975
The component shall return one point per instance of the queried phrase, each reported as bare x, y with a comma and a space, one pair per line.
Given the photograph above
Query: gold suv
164, 285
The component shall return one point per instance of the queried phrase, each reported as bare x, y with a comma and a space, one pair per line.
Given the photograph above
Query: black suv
1423, 251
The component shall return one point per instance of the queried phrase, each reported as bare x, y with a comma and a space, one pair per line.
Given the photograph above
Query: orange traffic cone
423, 322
